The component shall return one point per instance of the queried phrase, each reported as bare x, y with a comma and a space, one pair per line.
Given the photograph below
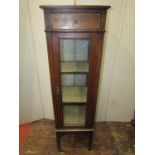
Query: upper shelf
74, 67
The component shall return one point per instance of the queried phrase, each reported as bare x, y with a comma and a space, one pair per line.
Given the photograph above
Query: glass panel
74, 49
74, 115
74, 69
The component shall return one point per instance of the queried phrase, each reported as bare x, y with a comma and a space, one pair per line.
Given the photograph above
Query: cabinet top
100, 7
74, 18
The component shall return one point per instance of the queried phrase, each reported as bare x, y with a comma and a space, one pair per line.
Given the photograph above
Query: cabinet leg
90, 136
58, 140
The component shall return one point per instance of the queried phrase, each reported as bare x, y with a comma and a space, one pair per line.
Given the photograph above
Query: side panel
94, 73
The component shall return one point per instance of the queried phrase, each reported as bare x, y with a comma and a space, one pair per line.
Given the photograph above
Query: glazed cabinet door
75, 68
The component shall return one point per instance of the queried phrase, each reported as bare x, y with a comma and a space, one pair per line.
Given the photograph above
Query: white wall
121, 99
116, 97
116, 93
30, 107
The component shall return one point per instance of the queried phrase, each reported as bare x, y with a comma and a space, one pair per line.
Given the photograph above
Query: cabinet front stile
53, 56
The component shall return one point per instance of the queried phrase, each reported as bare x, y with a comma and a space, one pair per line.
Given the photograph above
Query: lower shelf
74, 94
74, 115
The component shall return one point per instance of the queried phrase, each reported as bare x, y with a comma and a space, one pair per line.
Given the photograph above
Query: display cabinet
74, 37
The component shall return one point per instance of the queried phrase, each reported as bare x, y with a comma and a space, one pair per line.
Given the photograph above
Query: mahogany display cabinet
74, 37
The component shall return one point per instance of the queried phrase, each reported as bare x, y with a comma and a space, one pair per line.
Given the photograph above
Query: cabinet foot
90, 136
58, 141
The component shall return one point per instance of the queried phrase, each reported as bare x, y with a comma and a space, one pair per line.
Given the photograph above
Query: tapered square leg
58, 136
90, 136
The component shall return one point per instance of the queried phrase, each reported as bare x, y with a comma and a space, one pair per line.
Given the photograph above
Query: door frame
93, 74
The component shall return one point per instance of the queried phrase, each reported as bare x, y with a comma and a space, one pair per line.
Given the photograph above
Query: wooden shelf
74, 115
73, 94
74, 67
